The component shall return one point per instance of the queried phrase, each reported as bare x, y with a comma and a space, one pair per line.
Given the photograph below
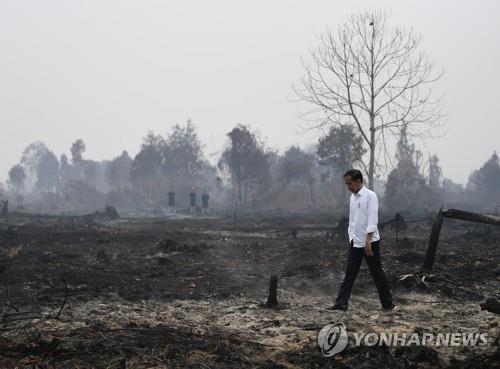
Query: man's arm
372, 222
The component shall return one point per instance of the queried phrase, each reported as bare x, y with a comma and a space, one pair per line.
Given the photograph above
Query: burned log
438, 223
109, 213
491, 305
472, 217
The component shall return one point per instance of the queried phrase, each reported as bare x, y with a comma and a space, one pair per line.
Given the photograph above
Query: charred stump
400, 225
272, 299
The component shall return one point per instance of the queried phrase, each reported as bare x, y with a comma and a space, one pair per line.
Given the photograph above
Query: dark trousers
353, 263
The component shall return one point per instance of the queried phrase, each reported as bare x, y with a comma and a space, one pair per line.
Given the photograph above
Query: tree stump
272, 299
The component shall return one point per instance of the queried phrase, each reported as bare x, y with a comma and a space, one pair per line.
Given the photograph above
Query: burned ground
189, 292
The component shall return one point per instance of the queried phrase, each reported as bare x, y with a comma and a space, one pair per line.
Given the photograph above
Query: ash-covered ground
78, 292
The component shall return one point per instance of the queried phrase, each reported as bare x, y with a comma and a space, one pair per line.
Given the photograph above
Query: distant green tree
31, 157
483, 186
47, 172
247, 163
118, 171
339, 150
77, 150
183, 152
299, 166
405, 189
17, 177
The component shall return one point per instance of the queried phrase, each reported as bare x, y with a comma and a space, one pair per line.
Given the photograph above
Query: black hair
355, 174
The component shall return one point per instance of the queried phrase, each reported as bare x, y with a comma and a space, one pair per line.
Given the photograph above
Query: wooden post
438, 222
433, 242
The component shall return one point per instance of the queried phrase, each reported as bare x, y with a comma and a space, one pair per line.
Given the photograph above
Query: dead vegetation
191, 293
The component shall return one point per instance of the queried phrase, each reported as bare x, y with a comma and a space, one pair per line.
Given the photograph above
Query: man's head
354, 180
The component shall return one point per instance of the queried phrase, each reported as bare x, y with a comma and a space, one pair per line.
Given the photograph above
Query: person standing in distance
192, 201
364, 241
204, 202
171, 200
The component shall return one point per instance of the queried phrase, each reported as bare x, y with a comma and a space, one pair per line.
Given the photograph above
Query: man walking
364, 240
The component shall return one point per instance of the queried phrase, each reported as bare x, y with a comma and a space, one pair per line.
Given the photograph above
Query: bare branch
374, 77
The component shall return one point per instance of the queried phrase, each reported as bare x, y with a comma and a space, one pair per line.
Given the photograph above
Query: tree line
371, 92
248, 175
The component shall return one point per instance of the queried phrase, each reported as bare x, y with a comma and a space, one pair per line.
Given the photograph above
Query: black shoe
337, 307
390, 308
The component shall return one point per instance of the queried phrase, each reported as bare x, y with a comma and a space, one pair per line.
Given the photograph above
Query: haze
109, 71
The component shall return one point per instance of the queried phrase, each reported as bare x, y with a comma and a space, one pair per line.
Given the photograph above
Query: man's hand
368, 249
368, 245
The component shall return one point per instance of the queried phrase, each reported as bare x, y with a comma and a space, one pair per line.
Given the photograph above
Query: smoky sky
110, 71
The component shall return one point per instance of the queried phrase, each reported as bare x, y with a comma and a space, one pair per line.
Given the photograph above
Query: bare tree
374, 78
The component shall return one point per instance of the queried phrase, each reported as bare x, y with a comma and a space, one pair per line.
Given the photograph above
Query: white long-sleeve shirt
363, 216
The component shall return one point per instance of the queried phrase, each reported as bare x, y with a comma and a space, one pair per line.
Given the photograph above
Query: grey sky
109, 71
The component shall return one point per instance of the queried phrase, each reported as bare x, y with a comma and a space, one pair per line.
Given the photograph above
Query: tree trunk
343, 204
372, 110
371, 168
311, 194
239, 194
245, 195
